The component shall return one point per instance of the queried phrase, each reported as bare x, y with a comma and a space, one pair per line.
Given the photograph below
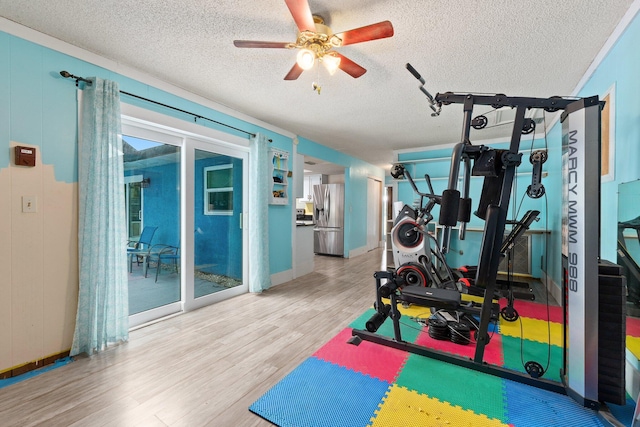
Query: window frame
207, 191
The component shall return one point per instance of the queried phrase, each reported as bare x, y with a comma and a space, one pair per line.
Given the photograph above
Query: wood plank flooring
203, 368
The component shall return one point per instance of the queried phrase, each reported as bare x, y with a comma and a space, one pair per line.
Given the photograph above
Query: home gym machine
581, 120
420, 262
626, 260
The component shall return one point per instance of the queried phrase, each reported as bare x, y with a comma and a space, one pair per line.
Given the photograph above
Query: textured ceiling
540, 49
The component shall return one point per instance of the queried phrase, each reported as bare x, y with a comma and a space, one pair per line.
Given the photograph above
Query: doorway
374, 213
191, 190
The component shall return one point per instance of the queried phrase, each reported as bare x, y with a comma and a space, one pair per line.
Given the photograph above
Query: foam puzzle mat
373, 385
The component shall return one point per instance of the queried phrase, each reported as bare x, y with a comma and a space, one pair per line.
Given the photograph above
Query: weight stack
612, 317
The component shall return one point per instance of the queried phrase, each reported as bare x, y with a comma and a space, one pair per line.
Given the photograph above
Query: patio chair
139, 249
164, 254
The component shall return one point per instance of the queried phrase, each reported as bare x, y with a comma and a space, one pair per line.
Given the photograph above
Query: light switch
29, 204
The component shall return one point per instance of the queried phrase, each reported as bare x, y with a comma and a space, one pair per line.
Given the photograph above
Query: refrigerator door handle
327, 201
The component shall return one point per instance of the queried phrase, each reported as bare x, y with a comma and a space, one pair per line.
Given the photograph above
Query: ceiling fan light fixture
306, 58
331, 62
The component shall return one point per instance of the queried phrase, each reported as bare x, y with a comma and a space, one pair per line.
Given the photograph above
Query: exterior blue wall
162, 202
221, 249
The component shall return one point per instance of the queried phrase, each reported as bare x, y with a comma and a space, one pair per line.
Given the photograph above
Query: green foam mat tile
469, 389
407, 329
515, 357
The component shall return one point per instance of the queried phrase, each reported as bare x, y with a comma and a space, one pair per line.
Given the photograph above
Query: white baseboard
552, 287
282, 277
356, 252
304, 268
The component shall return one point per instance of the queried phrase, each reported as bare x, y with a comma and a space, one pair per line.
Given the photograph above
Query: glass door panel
218, 238
152, 177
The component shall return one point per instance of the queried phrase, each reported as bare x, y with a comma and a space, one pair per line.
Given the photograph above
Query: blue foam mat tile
528, 406
624, 414
321, 394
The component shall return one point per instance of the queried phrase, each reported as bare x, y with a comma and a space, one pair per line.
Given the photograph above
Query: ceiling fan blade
301, 14
377, 31
350, 67
253, 43
294, 73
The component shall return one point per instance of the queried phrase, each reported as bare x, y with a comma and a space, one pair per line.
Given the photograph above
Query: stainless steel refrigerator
328, 213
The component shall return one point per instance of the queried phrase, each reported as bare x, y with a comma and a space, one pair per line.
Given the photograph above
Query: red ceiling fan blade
380, 30
301, 14
253, 43
294, 73
350, 67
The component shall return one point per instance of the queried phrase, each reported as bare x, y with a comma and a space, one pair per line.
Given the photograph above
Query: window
218, 190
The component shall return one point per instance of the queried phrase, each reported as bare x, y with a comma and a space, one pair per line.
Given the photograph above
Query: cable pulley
479, 122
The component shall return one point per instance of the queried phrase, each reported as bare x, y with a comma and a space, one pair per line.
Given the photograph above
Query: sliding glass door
152, 191
186, 211
218, 201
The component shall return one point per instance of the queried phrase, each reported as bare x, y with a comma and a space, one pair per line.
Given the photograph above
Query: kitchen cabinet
304, 257
309, 182
279, 177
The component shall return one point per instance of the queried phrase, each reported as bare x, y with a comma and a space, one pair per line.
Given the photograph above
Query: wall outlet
29, 204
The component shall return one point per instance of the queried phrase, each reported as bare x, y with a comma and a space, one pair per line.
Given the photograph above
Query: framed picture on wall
607, 137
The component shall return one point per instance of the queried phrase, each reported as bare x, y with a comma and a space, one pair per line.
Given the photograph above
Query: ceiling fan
316, 42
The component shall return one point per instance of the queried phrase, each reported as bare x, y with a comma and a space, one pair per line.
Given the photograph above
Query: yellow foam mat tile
424, 312
407, 408
473, 298
633, 344
415, 311
533, 329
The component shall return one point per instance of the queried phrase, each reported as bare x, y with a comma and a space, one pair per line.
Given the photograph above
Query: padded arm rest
521, 226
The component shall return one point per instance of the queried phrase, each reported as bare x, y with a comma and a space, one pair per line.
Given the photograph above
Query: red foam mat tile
536, 310
633, 326
371, 359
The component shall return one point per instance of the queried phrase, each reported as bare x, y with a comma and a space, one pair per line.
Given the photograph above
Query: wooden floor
203, 368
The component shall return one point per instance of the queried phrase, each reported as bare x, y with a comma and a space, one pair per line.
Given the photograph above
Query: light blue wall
38, 107
622, 67
357, 173
5, 99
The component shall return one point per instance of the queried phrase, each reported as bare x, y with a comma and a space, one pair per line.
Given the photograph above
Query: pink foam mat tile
377, 361
633, 326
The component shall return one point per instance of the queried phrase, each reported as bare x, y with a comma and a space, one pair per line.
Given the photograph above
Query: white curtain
259, 275
103, 301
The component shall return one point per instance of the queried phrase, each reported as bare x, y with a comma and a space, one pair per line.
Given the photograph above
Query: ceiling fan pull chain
316, 85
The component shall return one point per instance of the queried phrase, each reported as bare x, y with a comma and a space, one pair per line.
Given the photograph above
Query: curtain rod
68, 75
